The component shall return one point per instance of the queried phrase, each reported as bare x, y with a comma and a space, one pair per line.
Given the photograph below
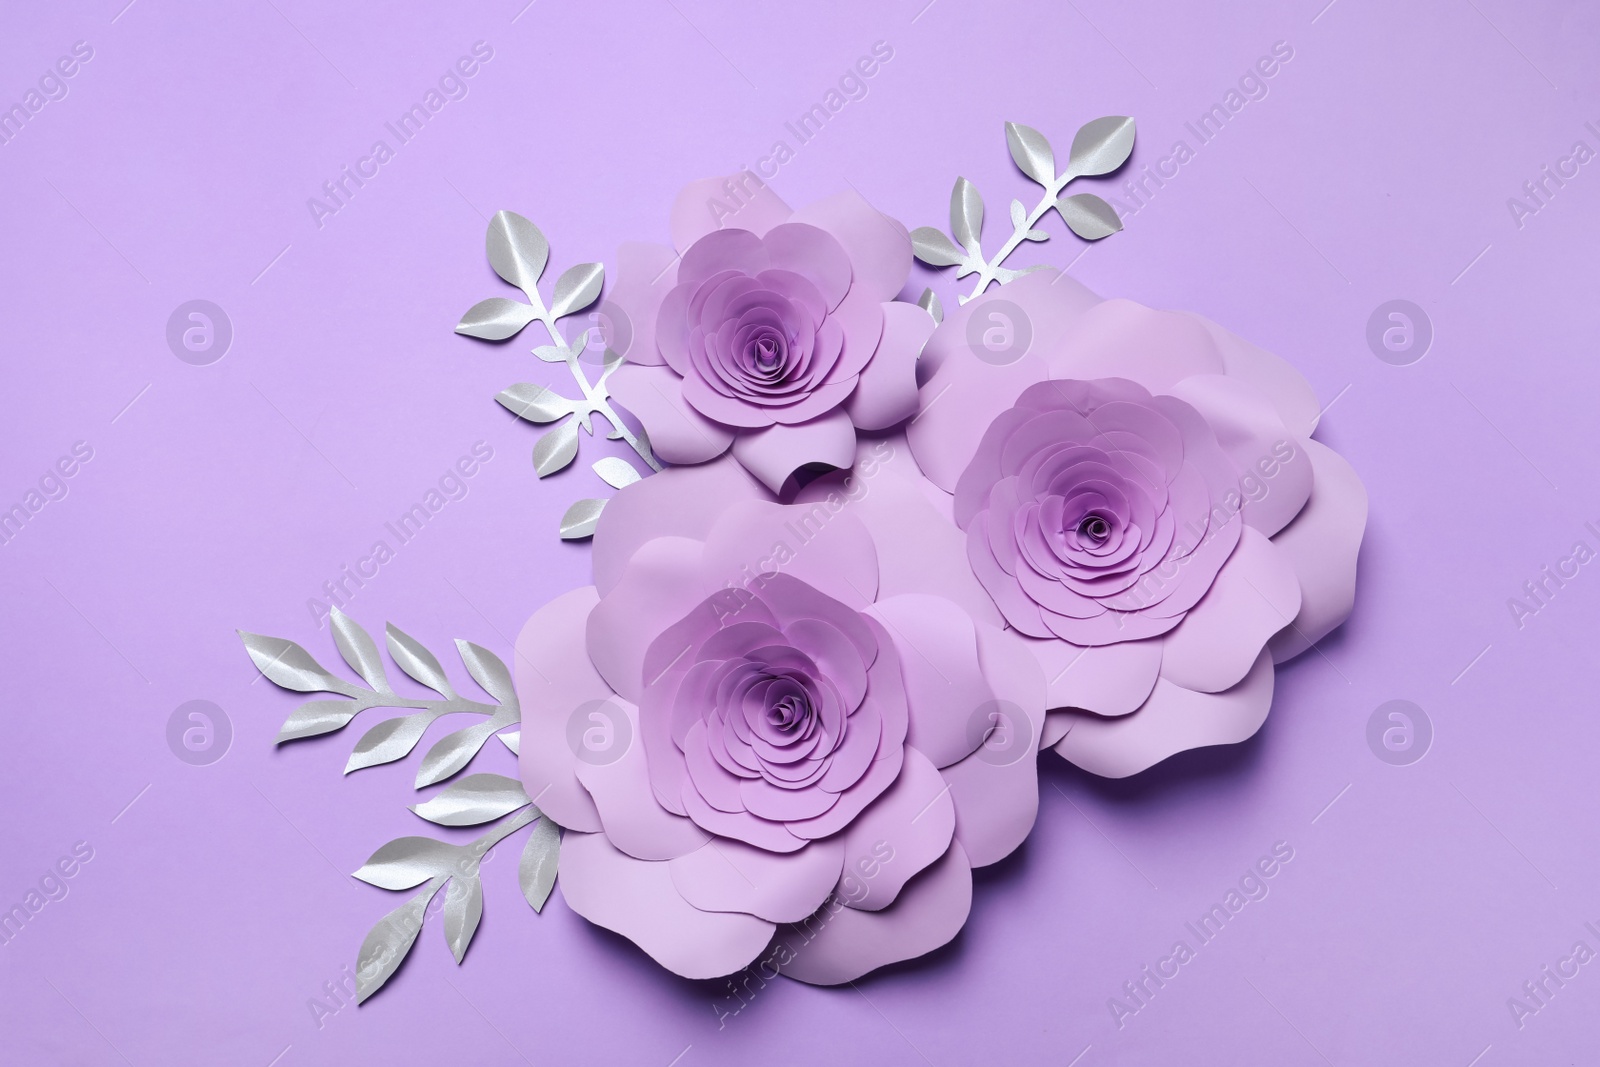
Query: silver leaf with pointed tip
477, 798
489, 671
555, 449
541, 857
390, 740
288, 665
576, 289
1019, 215
1088, 216
359, 650
616, 472
512, 739
966, 215
409, 861
1101, 146
535, 403
495, 319
552, 353
463, 908
929, 301
934, 248
581, 519
517, 250
388, 942
1031, 152
417, 661
318, 717
454, 751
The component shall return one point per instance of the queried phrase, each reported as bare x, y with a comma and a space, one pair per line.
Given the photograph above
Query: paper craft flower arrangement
892, 555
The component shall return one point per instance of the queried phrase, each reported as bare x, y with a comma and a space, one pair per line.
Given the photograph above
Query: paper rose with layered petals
761, 752
1139, 495
773, 332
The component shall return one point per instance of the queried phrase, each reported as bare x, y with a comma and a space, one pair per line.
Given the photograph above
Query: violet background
218, 903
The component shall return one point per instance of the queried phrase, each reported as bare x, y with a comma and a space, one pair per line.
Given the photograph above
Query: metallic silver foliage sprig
518, 252
1100, 147
288, 665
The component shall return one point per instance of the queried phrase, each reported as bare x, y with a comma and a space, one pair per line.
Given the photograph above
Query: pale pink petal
1322, 545
887, 390
1172, 720
996, 789
879, 246
1280, 382
727, 875
902, 832
1105, 679
646, 273
958, 403
1122, 339
1052, 301
812, 253
663, 581
840, 944
678, 433
636, 898
945, 685
832, 553
634, 822
778, 451
1254, 596
742, 202
554, 678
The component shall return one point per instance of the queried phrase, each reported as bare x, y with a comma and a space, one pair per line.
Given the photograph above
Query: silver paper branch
518, 252
288, 665
408, 862
1099, 147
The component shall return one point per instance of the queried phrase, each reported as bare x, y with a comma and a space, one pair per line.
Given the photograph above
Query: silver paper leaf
966, 215
317, 717
929, 301
512, 739
463, 908
1031, 152
581, 519
615, 472
1101, 146
517, 250
1019, 215
495, 319
577, 288
1036, 235
934, 248
535, 403
477, 798
489, 671
541, 857
288, 665
409, 861
388, 942
359, 650
454, 751
552, 353
1088, 216
555, 449
417, 661
388, 741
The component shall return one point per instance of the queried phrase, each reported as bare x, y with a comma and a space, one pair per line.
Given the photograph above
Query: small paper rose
762, 755
773, 332
1139, 495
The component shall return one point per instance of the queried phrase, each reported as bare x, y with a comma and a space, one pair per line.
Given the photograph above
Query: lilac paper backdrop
217, 901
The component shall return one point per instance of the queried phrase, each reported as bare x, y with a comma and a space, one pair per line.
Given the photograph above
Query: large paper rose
761, 753
772, 331
1140, 496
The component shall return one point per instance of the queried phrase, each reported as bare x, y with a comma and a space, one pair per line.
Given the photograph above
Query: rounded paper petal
886, 392
637, 899
663, 581
634, 821
778, 451
1122, 339
1172, 720
829, 551
1051, 300
945, 685
1104, 679
904, 830
1256, 594
1285, 387
742, 202
727, 875
678, 433
646, 273
879, 247
840, 944
1322, 544
554, 677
